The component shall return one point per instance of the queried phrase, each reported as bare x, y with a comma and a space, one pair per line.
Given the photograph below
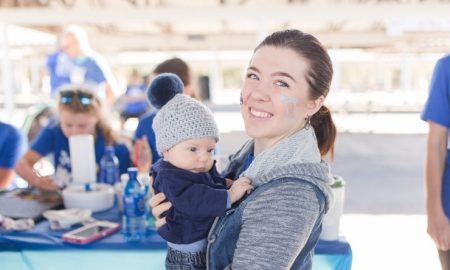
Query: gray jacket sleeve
276, 225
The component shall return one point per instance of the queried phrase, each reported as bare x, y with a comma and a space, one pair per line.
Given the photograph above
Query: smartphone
91, 232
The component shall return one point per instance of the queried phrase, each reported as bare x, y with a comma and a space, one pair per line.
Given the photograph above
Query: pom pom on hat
182, 118
163, 88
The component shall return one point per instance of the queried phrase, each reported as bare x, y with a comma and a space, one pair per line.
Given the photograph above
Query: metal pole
8, 94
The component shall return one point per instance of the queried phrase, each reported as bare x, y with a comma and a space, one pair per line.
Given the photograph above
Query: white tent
12, 38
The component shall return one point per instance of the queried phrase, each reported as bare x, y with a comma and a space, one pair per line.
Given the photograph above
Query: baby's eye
211, 150
193, 149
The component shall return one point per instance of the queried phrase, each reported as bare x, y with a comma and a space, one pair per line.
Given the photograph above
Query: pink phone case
107, 228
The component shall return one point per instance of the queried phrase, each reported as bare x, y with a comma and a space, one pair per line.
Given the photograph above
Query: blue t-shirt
51, 140
145, 128
137, 107
12, 145
55, 61
65, 70
437, 109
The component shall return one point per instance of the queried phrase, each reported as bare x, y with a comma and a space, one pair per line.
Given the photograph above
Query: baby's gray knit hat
181, 118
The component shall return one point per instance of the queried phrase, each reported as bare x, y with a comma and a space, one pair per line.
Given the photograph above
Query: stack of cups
331, 220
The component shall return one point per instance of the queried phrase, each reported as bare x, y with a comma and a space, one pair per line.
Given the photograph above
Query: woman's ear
314, 105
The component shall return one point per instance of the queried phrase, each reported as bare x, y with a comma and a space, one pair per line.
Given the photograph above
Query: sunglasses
68, 96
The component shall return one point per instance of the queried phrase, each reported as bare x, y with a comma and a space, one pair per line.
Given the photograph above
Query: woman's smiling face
275, 94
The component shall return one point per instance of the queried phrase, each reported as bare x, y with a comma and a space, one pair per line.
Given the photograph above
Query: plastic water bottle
134, 222
145, 179
109, 167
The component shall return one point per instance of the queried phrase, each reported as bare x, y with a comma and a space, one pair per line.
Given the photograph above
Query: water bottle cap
132, 170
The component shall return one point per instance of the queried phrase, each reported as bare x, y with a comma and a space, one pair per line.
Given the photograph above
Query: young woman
278, 224
80, 112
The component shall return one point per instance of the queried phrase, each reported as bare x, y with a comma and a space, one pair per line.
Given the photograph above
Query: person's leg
178, 260
444, 257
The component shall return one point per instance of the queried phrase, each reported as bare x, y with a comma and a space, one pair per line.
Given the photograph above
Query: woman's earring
308, 121
241, 100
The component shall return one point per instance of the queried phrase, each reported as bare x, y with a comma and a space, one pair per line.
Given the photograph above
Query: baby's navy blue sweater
197, 198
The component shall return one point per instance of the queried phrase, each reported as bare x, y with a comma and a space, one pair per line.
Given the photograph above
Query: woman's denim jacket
224, 233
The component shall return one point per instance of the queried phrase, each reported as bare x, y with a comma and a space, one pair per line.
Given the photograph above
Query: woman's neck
262, 145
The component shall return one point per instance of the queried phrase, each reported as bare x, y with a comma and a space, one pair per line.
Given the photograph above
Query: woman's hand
439, 229
159, 207
142, 155
24, 169
45, 183
228, 182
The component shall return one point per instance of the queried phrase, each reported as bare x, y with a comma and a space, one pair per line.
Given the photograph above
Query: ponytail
325, 130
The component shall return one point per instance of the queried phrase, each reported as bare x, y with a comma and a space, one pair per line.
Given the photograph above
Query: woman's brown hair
318, 77
176, 66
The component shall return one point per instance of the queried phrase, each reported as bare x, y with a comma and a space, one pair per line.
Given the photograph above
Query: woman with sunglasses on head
80, 112
278, 225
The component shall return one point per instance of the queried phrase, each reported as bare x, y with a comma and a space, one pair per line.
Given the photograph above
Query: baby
186, 135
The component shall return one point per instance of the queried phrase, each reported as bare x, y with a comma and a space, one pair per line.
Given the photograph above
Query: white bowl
99, 198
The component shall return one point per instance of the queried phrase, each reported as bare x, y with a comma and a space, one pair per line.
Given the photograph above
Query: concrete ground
383, 173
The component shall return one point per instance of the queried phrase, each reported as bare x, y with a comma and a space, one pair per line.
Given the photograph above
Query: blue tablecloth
42, 248
42, 237
333, 255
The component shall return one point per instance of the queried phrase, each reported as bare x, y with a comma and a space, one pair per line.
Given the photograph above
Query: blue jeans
179, 260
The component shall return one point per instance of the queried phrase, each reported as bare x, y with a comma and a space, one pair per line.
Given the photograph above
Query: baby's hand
239, 188
228, 182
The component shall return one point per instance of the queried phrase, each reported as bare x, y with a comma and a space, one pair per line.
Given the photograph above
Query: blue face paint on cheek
287, 100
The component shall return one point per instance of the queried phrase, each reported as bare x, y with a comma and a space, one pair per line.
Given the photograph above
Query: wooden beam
308, 13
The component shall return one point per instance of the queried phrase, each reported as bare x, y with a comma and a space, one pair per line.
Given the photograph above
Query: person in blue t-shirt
134, 101
437, 114
144, 135
12, 143
77, 63
186, 135
58, 65
79, 113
